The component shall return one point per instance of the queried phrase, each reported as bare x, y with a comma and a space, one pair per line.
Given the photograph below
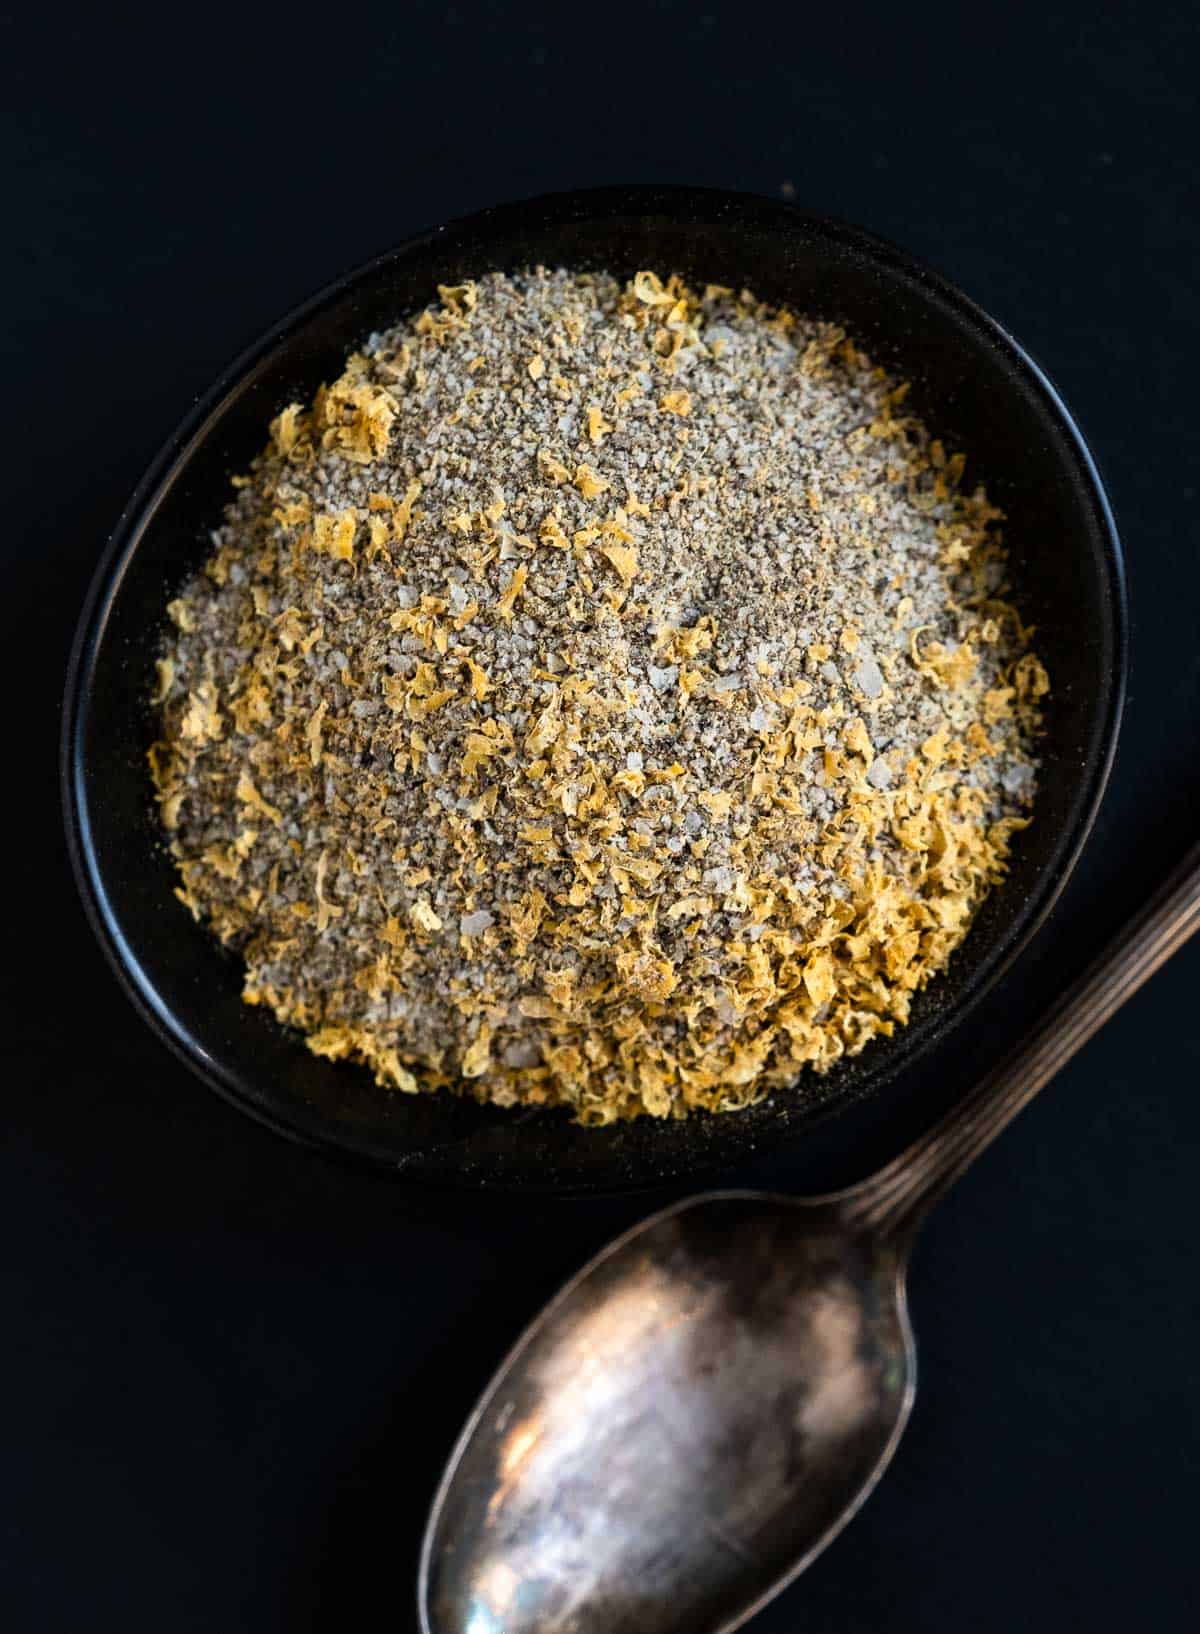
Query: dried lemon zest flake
423, 916
333, 535
598, 426
623, 559
514, 587
588, 483
165, 670
249, 796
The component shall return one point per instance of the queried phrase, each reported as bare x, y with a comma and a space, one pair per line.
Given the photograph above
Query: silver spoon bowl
704, 1406
670, 1442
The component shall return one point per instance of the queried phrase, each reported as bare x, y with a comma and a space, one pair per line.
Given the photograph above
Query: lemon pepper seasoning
601, 695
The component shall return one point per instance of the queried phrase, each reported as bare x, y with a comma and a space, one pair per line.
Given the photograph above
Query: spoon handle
898, 1196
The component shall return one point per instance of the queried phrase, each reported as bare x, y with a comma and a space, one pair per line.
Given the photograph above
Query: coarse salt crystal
869, 677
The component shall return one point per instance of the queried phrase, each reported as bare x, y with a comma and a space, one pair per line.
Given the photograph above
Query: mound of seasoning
601, 695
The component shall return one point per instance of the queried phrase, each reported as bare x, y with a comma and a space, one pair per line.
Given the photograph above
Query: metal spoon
700, 1410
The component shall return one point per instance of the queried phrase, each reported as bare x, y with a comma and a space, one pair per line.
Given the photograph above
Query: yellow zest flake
249, 796
479, 748
165, 669
377, 542
289, 628
202, 721
225, 863
686, 642
313, 732
393, 933
690, 907
857, 738
560, 985
293, 513
387, 1066
402, 512
424, 683
180, 615
460, 298
553, 470
648, 288
676, 402
996, 704
333, 536
717, 802
251, 707
598, 426
477, 1056
332, 1042
537, 1008
818, 973
551, 533
286, 428
480, 683
355, 415
458, 303
525, 918
418, 708
395, 691
943, 667
623, 559
1030, 679
643, 869
536, 366
633, 504
645, 975
546, 728
423, 917
327, 911
504, 607
422, 694
423, 622
245, 842
588, 483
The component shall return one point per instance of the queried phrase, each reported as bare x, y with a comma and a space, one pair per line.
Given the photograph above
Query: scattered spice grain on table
602, 694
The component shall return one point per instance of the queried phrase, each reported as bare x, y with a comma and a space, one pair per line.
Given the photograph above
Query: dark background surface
231, 1371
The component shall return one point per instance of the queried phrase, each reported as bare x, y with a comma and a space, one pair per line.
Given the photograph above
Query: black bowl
972, 384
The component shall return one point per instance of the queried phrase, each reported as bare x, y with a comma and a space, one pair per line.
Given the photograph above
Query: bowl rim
583, 204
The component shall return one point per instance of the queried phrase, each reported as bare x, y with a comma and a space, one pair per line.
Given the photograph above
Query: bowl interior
970, 383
